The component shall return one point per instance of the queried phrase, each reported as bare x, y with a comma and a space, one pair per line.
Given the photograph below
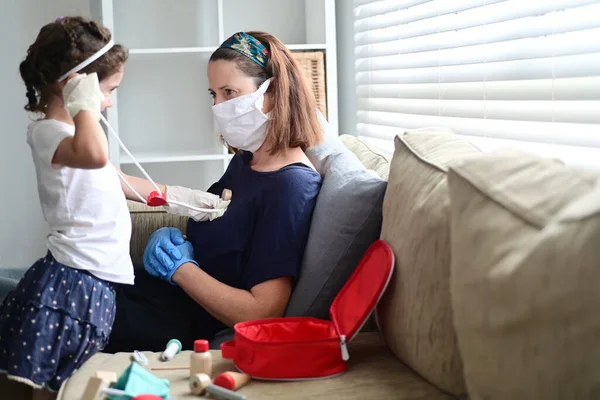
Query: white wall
344, 20
22, 228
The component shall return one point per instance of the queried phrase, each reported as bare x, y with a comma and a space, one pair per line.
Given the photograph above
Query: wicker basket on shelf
313, 65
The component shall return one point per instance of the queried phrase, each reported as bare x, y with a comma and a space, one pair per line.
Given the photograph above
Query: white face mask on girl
241, 120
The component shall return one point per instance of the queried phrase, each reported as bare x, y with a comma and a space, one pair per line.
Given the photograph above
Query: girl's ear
64, 83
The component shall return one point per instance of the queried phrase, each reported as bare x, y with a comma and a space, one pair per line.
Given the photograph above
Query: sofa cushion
524, 278
370, 158
345, 222
372, 373
415, 314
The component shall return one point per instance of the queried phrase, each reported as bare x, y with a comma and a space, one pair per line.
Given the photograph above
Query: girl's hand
82, 92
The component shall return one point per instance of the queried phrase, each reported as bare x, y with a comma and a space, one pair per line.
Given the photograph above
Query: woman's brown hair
293, 121
60, 46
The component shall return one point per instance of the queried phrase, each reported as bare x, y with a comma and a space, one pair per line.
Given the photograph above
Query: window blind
515, 70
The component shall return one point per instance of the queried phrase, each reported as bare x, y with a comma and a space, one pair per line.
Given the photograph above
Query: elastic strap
87, 62
142, 199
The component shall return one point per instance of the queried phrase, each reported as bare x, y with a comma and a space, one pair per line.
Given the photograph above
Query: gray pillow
9, 278
345, 222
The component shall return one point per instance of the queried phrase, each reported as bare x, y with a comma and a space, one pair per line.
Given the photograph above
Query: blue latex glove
166, 251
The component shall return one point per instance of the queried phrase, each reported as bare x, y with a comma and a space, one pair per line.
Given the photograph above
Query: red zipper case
293, 348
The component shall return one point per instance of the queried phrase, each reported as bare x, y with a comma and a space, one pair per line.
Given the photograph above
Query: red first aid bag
304, 347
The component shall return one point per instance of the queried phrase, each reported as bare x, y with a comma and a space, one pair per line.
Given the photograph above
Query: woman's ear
268, 104
272, 85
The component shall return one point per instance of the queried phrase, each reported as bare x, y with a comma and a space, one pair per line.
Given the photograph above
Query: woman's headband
248, 46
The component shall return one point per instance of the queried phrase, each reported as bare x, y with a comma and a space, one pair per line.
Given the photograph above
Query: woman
241, 266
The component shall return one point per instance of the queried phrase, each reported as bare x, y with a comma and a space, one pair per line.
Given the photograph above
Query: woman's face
226, 82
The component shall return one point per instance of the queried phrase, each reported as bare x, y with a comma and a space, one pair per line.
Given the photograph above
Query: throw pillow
524, 278
414, 314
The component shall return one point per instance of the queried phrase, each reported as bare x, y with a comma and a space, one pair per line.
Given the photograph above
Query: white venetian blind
520, 70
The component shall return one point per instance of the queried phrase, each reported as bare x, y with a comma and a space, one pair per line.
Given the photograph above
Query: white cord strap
204, 210
122, 145
112, 131
143, 200
88, 61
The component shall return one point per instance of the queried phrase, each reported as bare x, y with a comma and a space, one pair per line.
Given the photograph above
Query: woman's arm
230, 305
141, 185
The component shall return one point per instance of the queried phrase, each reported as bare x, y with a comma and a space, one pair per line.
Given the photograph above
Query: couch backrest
370, 158
145, 221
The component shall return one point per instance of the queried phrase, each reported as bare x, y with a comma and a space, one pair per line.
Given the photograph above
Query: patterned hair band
248, 46
59, 19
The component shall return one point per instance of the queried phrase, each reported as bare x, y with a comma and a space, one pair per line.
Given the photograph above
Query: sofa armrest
145, 221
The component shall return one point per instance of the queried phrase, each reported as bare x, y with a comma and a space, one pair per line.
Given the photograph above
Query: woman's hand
167, 250
177, 195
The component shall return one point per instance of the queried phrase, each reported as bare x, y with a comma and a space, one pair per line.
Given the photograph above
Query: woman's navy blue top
263, 233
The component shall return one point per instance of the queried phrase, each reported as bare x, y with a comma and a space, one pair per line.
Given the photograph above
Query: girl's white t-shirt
86, 209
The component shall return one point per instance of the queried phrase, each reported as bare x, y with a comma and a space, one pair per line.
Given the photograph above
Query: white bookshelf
162, 110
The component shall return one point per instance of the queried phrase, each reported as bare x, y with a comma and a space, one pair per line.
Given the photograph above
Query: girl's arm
87, 149
230, 305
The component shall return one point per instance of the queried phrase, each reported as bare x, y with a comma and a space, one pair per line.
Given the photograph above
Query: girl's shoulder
45, 135
48, 127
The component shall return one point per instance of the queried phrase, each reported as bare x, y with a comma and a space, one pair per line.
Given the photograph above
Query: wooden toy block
94, 389
109, 376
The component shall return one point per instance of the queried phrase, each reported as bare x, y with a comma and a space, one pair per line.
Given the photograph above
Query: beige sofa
464, 315
373, 371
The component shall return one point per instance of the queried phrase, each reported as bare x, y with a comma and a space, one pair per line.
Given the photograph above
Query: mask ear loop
124, 148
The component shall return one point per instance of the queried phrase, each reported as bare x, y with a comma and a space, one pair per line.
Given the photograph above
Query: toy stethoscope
156, 198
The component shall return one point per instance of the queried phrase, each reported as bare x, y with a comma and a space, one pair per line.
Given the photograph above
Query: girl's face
226, 82
108, 85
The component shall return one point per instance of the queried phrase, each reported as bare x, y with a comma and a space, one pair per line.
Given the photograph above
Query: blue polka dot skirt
52, 322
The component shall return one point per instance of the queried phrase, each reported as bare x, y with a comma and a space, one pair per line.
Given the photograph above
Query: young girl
62, 311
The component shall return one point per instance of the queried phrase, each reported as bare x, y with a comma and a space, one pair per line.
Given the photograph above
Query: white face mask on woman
241, 120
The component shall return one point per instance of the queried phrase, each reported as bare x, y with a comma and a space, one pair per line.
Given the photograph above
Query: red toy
293, 348
156, 199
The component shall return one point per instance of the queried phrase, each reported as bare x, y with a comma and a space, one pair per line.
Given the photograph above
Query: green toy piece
136, 380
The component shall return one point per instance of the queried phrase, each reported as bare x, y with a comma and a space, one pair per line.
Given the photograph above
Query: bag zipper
343, 339
344, 347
